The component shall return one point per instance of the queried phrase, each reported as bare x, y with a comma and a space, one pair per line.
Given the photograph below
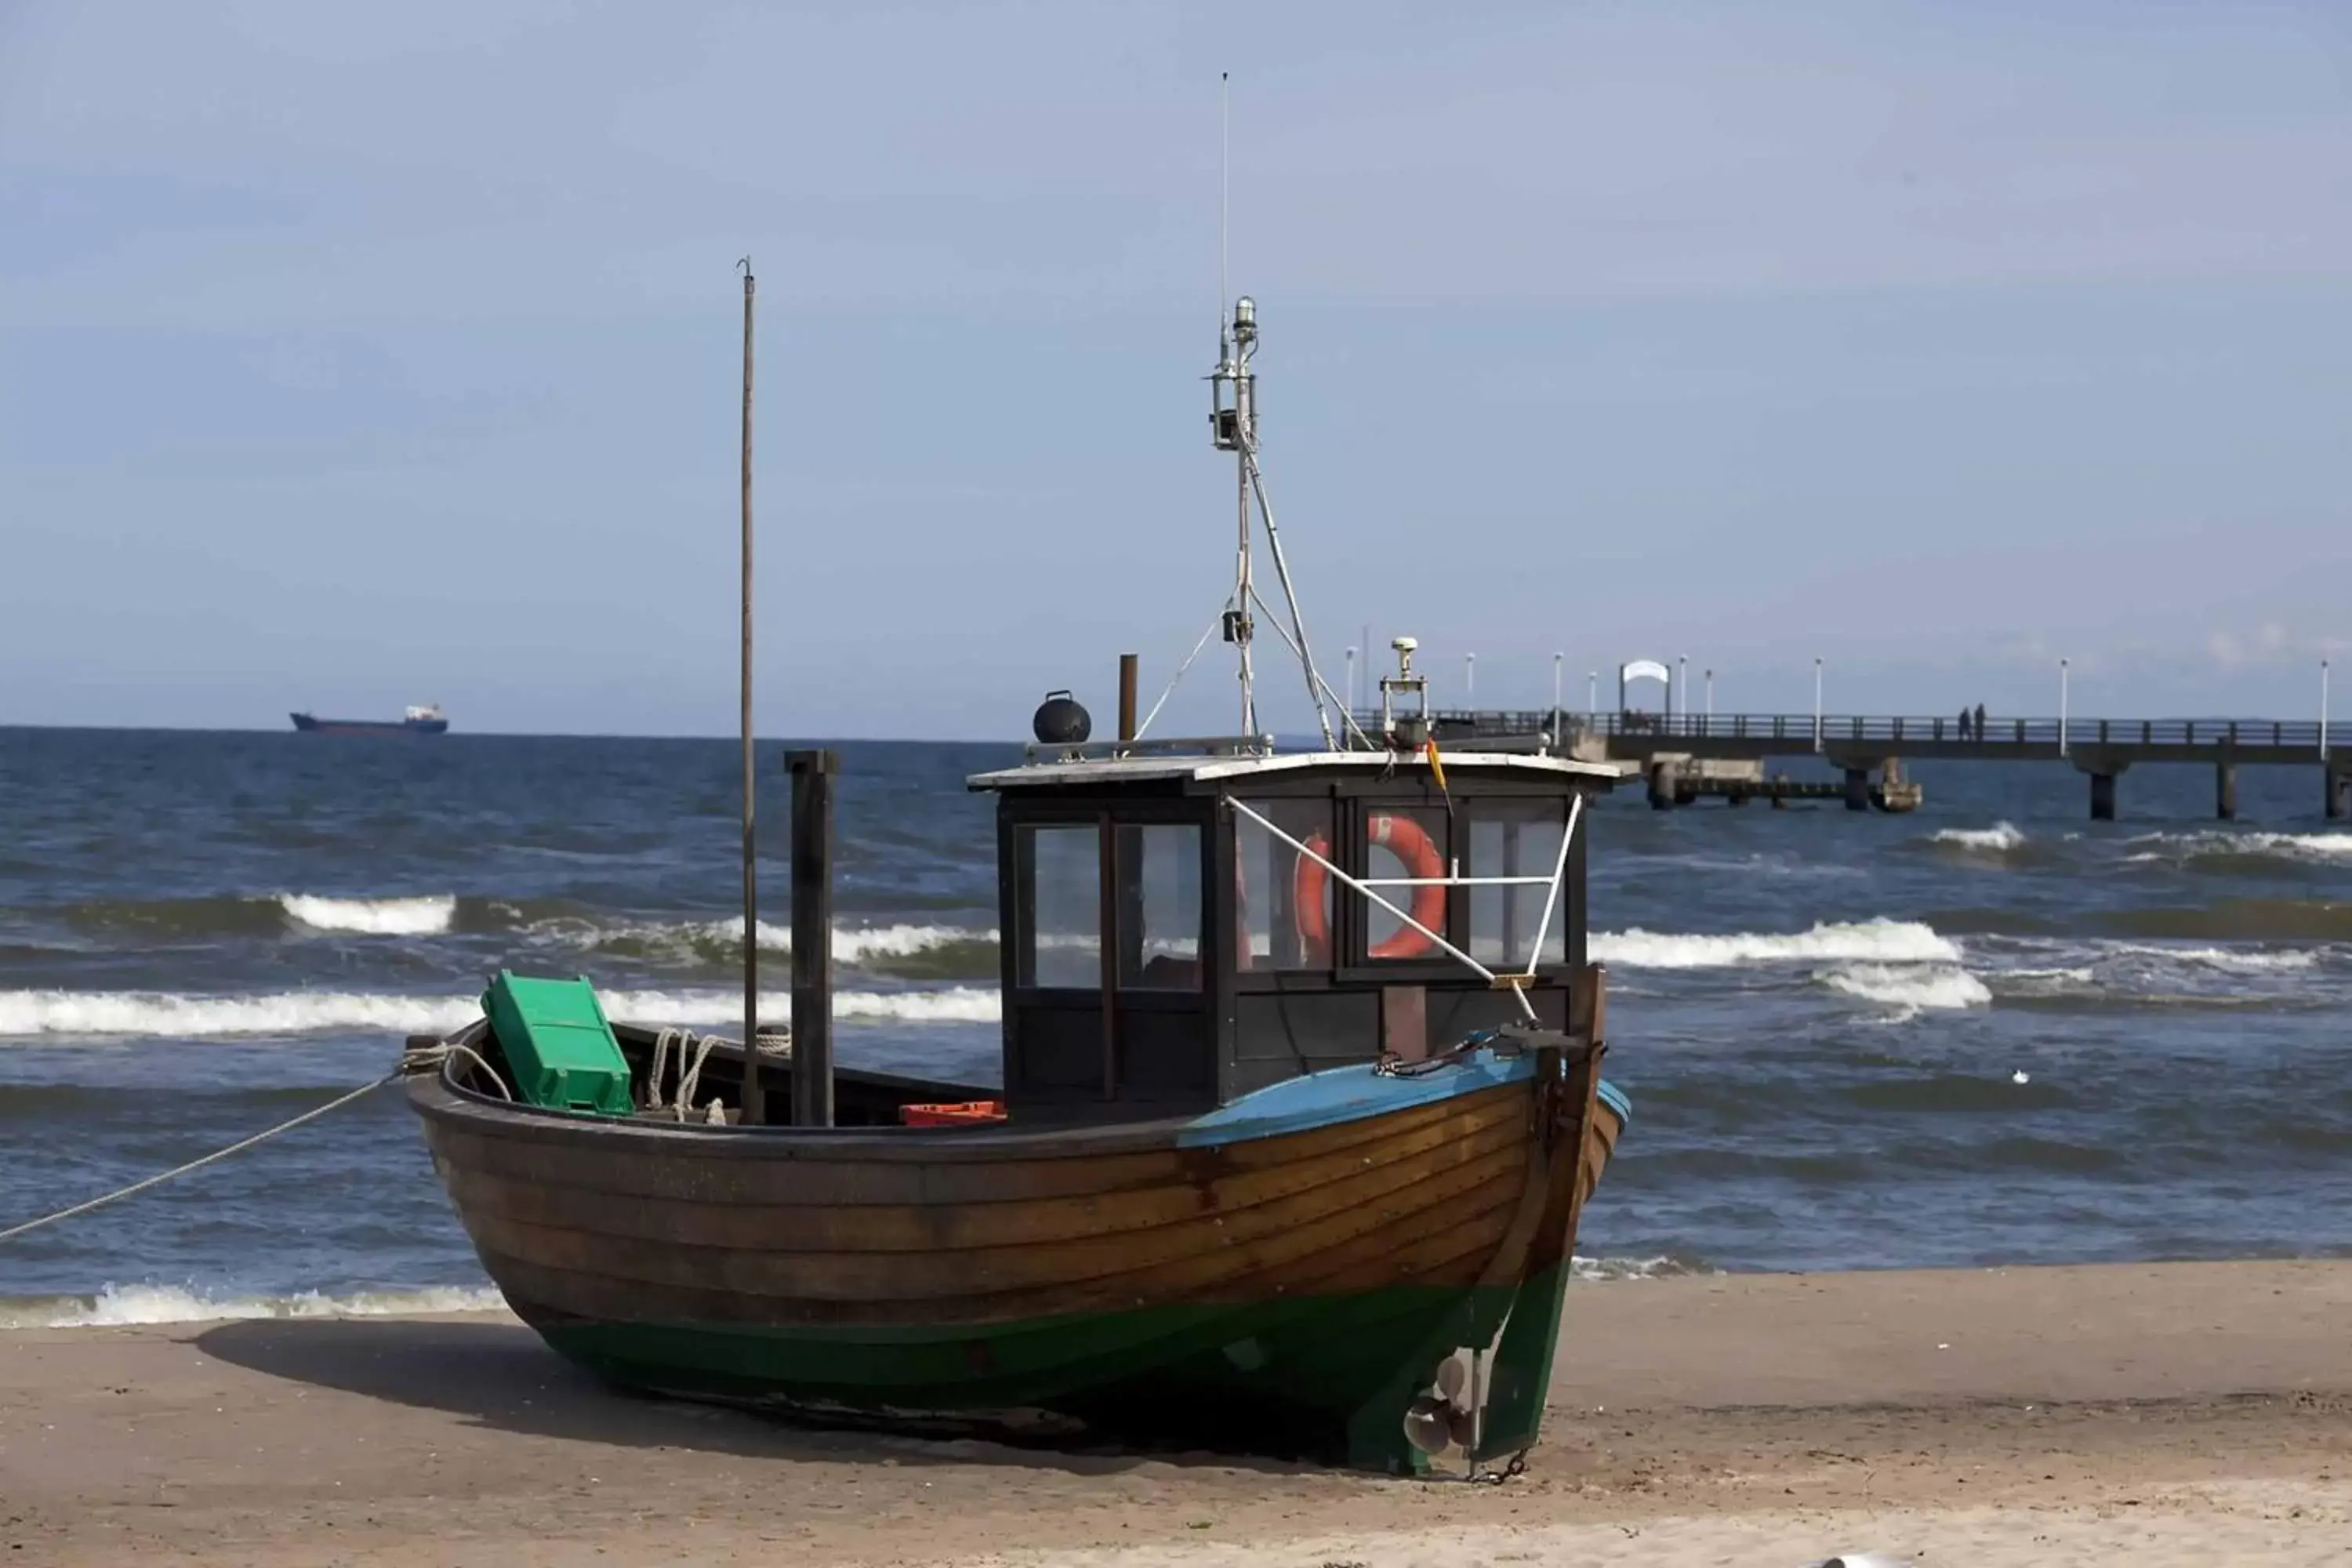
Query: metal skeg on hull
1292, 1293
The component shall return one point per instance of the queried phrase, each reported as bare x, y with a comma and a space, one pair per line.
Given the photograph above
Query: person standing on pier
1964, 723
1979, 724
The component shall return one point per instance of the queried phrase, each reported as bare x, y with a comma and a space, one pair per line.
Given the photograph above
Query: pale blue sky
357, 356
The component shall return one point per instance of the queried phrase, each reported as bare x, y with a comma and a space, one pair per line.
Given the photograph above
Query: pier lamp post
1556, 660
1593, 692
1470, 681
1709, 713
2061, 707
2323, 709
1353, 704
1678, 698
1817, 703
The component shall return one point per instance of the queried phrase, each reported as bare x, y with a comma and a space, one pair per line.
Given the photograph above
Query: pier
1687, 755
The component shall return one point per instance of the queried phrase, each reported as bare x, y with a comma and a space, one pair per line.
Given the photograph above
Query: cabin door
1109, 975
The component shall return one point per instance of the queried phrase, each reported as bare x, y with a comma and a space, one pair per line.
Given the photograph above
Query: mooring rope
411, 1061
690, 1076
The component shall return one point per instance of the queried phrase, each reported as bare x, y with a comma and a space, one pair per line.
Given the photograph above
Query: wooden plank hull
1243, 1290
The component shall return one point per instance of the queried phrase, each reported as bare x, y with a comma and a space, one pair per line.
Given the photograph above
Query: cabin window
1515, 840
1061, 945
1404, 847
1160, 917
1284, 900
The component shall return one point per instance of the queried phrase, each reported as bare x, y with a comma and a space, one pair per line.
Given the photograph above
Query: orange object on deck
960, 1114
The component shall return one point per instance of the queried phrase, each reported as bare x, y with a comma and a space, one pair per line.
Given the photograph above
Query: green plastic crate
558, 1048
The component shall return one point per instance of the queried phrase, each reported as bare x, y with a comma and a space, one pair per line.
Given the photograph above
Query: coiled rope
415, 1060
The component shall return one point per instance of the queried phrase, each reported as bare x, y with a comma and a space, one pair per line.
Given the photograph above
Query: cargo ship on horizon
427, 720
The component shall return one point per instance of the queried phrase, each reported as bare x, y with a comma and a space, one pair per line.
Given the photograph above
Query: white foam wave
857, 944
862, 944
1911, 989
2233, 959
2044, 982
2001, 837
120, 1306
133, 1013
1876, 940
955, 1004
373, 916
145, 1015
2326, 849
1662, 1267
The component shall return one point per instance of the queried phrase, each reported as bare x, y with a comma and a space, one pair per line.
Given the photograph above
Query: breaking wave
1878, 941
1912, 989
2001, 837
120, 1306
374, 917
166, 1014
912, 951
2104, 974
2234, 961
280, 915
2218, 849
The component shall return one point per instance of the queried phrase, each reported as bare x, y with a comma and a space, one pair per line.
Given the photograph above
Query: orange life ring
1405, 838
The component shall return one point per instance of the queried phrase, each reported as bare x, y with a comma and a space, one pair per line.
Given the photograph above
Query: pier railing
1845, 728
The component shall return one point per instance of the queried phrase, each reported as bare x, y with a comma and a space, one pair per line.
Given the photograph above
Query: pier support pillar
1662, 785
1857, 789
2225, 791
2339, 795
2103, 797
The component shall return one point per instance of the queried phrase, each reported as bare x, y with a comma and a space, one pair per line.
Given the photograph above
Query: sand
2176, 1414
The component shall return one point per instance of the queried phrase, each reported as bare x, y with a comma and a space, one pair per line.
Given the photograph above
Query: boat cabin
1181, 928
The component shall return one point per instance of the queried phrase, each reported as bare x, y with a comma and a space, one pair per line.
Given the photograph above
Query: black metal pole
812, 774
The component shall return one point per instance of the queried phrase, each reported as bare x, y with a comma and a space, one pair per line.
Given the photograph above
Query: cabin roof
1056, 774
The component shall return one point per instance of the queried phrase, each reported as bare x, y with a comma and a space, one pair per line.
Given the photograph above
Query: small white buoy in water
2020, 1076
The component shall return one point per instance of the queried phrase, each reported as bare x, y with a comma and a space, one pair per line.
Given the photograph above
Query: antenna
1224, 192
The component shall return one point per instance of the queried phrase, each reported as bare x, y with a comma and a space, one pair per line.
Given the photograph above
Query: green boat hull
1321, 1377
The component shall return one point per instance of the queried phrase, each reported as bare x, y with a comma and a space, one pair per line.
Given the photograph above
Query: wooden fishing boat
1278, 1161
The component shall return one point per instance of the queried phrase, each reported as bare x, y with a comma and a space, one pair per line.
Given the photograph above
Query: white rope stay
1484, 973
1515, 984
1169, 689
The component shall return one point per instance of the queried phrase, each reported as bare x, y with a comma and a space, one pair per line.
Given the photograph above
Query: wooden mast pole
754, 1107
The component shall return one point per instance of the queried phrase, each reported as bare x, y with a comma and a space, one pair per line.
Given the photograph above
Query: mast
1242, 342
753, 1108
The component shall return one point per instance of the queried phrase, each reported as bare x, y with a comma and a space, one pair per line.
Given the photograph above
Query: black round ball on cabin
1060, 721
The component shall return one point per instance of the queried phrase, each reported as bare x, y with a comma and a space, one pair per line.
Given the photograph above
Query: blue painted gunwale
1353, 1093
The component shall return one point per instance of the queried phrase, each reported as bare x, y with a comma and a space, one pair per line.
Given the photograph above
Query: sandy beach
2190, 1413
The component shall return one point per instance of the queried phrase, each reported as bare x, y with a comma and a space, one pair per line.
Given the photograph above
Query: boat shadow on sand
499, 1376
